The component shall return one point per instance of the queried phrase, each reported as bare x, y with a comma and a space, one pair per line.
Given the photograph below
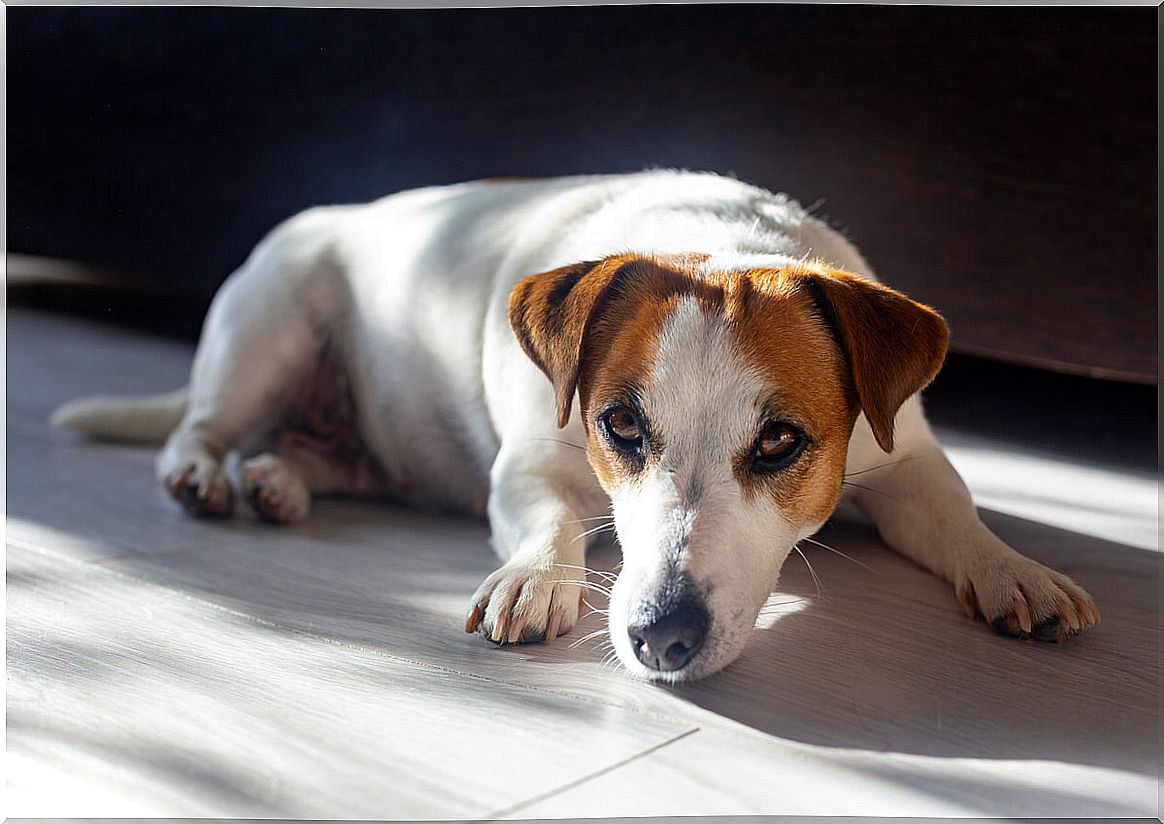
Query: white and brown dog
729, 357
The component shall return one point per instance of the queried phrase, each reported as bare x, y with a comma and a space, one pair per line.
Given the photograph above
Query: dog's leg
238, 387
539, 532
922, 509
256, 352
240, 384
280, 485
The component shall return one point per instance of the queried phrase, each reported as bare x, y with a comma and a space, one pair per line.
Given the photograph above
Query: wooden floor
162, 666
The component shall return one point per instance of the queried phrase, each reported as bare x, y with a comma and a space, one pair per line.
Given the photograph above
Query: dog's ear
551, 314
894, 346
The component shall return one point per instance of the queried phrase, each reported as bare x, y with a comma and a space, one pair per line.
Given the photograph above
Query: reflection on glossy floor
161, 666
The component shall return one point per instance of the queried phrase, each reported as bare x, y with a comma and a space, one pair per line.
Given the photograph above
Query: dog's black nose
670, 639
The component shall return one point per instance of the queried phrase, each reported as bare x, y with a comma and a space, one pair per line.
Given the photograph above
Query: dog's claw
515, 630
555, 624
473, 618
1022, 615
1069, 616
498, 636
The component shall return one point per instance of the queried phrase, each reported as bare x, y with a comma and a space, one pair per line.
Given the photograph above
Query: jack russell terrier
699, 363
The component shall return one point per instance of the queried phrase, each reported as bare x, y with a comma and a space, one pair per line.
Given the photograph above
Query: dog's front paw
202, 488
275, 490
524, 602
1018, 596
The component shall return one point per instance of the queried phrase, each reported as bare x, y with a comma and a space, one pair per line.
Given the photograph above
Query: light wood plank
126, 699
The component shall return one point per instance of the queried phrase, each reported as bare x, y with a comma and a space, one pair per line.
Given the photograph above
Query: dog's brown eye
624, 424
623, 430
776, 442
777, 447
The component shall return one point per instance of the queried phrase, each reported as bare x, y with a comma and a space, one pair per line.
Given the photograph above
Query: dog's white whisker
870, 489
605, 575
593, 587
591, 606
599, 528
588, 637
879, 466
811, 571
561, 442
609, 661
836, 551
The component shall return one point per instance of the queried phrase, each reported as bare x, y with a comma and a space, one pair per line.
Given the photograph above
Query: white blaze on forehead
703, 398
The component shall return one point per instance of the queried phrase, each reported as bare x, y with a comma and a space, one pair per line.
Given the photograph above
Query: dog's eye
623, 430
777, 447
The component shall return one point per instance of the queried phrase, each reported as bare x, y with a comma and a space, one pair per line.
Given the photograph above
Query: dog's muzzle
666, 637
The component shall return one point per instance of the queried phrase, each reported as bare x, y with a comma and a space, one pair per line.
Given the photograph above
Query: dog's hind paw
202, 488
277, 493
521, 602
1023, 598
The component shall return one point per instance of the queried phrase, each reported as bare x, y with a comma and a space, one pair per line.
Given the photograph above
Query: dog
693, 360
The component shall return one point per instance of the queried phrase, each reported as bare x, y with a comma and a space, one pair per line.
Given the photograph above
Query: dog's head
718, 407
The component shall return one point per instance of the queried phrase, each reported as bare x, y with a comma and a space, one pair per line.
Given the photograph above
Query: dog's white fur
407, 299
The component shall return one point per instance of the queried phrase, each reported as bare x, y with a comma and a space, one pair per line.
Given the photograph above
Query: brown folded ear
894, 345
550, 314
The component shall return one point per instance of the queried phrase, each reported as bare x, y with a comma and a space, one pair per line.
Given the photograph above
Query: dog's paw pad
521, 604
1025, 599
202, 489
274, 490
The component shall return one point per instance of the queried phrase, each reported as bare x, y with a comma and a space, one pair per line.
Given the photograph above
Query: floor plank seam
578, 782
301, 633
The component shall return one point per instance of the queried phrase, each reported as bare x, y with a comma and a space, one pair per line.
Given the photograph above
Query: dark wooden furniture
999, 163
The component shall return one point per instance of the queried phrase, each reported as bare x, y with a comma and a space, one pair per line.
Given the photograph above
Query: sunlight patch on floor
1102, 503
779, 605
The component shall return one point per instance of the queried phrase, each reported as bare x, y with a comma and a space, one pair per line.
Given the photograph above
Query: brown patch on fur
551, 313
560, 317
832, 344
894, 346
775, 329
594, 328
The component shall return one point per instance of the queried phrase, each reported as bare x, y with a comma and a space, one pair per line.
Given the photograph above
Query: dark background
999, 163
